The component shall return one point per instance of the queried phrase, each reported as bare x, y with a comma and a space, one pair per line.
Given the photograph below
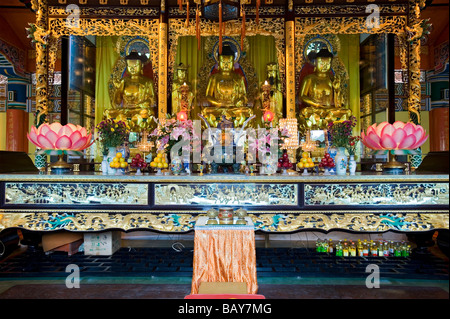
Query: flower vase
341, 161
176, 165
110, 156
352, 165
270, 166
40, 161
105, 165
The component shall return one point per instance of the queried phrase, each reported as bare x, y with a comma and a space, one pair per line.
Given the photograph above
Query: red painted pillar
439, 133
16, 130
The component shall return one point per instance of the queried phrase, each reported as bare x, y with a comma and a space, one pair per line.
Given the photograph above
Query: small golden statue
226, 93
271, 95
182, 95
133, 97
321, 95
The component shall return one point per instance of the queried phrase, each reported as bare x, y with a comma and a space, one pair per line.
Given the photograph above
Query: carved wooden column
162, 68
290, 61
414, 35
41, 7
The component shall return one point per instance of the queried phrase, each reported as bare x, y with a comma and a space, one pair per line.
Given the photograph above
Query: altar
366, 202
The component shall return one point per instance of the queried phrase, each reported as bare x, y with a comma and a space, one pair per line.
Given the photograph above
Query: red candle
268, 116
181, 116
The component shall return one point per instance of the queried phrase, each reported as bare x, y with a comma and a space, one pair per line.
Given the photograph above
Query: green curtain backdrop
106, 57
349, 55
262, 50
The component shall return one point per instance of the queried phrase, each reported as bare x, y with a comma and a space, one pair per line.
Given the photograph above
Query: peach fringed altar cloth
224, 253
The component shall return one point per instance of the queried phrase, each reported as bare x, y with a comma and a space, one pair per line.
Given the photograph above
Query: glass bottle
380, 249
330, 246
374, 249
339, 249
345, 249
386, 249
325, 246
391, 248
397, 250
408, 251
365, 248
360, 248
352, 249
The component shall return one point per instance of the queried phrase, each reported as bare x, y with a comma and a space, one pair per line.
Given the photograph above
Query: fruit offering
327, 161
138, 162
118, 161
284, 162
306, 161
159, 161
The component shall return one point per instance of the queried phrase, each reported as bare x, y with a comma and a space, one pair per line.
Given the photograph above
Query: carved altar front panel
226, 194
376, 194
76, 194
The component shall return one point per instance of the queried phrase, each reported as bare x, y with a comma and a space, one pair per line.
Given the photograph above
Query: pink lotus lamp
57, 139
397, 139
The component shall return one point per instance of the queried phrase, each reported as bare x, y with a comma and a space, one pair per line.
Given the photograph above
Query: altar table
224, 253
92, 202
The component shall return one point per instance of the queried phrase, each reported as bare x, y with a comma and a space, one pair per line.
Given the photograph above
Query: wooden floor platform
179, 291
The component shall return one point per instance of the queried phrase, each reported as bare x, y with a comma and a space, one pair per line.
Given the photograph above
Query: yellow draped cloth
224, 254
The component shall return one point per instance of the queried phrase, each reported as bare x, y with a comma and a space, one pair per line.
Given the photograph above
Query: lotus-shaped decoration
398, 138
55, 136
57, 139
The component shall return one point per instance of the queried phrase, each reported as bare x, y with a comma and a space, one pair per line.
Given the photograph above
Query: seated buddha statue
226, 93
182, 95
321, 96
271, 94
133, 97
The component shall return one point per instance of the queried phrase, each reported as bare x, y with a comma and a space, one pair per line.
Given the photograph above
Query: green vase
40, 161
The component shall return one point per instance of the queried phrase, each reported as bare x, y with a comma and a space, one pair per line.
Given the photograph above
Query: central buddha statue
226, 93
133, 97
321, 96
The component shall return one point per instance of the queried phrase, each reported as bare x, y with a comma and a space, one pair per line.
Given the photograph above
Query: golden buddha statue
271, 94
226, 93
133, 97
321, 96
182, 95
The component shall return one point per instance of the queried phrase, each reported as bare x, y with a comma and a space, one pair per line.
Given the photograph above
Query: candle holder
241, 214
212, 216
252, 168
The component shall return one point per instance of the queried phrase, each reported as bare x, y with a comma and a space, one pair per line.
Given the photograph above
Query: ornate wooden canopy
160, 20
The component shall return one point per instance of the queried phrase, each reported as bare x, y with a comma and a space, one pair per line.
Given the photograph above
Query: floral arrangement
112, 133
340, 132
352, 144
262, 142
171, 131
